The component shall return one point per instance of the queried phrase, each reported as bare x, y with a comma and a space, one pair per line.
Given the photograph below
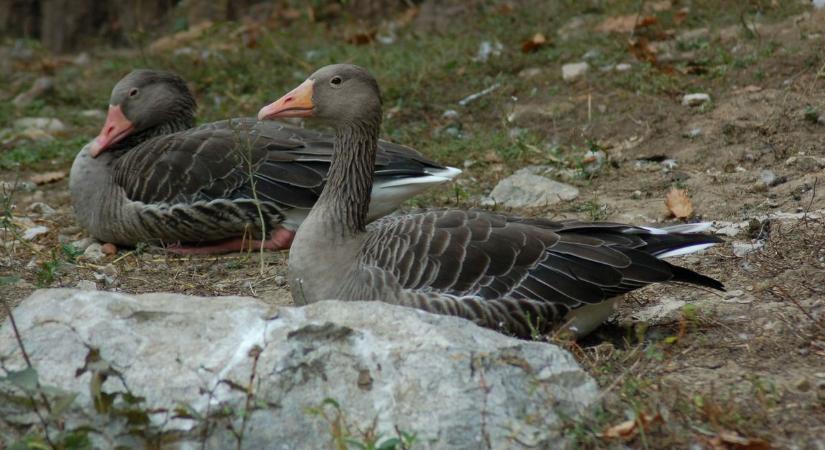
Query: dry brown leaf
680, 16
534, 43
628, 429
679, 204
732, 440
641, 49
663, 5
625, 24
47, 177
361, 37
179, 39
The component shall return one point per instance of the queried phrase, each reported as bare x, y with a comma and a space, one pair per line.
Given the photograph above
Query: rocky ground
583, 110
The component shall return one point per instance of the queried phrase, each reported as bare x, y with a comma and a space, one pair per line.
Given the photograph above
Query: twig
472, 97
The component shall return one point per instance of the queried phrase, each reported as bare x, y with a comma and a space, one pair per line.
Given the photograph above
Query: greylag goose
518, 275
151, 177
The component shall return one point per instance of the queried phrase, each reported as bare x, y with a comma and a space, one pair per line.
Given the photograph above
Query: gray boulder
202, 369
525, 189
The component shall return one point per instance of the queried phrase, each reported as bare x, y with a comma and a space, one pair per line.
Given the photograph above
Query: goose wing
469, 262
223, 160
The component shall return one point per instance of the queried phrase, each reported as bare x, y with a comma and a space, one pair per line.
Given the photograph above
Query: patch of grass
38, 154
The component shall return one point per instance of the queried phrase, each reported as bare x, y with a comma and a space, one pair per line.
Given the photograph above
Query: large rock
317, 369
525, 189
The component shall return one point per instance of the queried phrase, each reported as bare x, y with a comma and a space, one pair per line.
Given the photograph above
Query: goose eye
133, 92
336, 81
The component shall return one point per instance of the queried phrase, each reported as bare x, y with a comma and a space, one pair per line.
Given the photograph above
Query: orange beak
117, 127
298, 103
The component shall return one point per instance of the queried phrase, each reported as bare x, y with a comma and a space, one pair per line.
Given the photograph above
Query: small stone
734, 293
487, 49
108, 249
526, 190
669, 164
593, 161
9, 187
93, 114
41, 208
803, 384
695, 99
450, 114
40, 87
806, 163
530, 72
574, 71
86, 285
47, 124
33, 232
623, 67
742, 249
636, 195
82, 244
94, 252
767, 176
591, 55
693, 133
280, 280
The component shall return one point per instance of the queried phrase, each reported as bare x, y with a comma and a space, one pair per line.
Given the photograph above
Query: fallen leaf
663, 5
108, 248
625, 24
179, 39
628, 429
530, 45
47, 177
361, 37
732, 440
749, 89
640, 48
492, 157
679, 204
680, 16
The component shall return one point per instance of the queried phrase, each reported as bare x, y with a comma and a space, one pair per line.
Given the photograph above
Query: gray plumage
509, 273
169, 182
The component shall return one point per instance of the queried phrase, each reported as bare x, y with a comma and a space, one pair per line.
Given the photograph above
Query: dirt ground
680, 367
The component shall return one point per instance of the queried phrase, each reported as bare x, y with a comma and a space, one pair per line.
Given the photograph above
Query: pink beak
117, 127
298, 103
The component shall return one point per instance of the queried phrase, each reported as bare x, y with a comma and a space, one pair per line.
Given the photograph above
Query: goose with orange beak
518, 275
152, 176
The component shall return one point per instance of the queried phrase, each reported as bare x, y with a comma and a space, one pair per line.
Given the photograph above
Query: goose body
219, 182
518, 275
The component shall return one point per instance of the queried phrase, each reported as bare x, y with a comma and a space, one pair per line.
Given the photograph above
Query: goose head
143, 100
339, 95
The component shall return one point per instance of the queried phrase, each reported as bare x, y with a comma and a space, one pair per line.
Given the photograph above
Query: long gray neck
345, 199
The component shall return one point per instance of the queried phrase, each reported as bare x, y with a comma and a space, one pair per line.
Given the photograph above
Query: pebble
530, 72
280, 280
83, 244
574, 71
742, 249
8, 187
593, 161
767, 177
40, 87
33, 232
93, 114
693, 133
695, 99
47, 124
86, 285
450, 114
636, 195
41, 209
623, 67
94, 252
